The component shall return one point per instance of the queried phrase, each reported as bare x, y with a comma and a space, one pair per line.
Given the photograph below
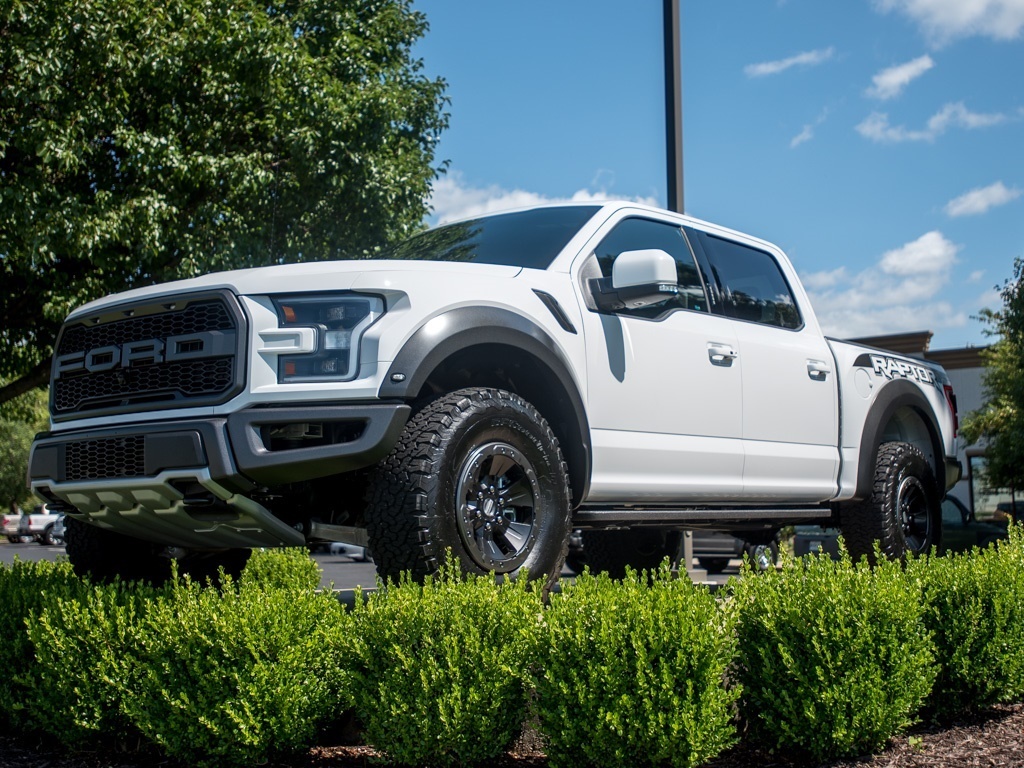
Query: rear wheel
612, 551
478, 472
903, 513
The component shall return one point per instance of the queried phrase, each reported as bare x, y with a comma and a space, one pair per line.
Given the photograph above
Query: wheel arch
900, 413
495, 347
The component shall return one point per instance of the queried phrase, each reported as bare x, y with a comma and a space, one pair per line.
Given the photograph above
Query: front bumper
189, 483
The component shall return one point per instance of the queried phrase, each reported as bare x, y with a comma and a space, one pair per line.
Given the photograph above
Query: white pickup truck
38, 525
487, 387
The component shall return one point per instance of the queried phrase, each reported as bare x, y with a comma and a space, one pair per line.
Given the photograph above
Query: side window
639, 234
752, 286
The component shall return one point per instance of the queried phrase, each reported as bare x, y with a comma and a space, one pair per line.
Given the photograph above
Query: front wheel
478, 472
903, 513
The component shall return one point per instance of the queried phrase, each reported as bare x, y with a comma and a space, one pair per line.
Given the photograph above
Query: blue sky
880, 143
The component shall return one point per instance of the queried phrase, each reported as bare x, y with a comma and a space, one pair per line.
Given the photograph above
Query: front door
664, 385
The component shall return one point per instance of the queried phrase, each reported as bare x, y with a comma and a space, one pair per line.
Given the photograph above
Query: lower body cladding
194, 484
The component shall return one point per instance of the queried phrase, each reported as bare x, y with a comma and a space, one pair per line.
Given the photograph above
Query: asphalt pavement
340, 572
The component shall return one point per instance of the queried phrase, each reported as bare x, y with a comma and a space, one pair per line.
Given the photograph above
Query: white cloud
945, 20
898, 293
807, 133
453, 199
806, 59
889, 83
979, 200
876, 126
976, 276
930, 254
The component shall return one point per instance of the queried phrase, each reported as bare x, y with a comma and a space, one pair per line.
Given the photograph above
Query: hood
303, 278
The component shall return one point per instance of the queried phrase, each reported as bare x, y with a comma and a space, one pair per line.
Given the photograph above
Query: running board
705, 518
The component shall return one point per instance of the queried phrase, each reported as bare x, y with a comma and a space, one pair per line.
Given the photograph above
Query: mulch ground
995, 738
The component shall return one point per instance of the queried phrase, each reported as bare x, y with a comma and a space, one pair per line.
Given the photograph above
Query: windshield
524, 239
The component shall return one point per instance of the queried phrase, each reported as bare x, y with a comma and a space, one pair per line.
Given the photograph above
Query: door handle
721, 354
818, 370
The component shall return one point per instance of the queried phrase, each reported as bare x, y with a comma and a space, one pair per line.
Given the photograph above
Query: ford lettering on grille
166, 354
193, 346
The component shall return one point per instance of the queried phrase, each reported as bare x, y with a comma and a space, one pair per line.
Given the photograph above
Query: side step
713, 517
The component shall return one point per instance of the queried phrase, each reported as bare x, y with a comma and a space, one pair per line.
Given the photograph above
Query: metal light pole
673, 105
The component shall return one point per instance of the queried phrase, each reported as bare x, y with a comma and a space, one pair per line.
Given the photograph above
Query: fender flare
457, 329
892, 397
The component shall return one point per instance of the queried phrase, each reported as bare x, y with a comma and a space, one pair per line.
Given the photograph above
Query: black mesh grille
149, 382
109, 457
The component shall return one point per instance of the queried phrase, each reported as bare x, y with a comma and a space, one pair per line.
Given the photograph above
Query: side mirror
639, 279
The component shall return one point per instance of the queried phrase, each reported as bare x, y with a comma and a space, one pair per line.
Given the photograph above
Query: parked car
57, 533
37, 525
16, 528
714, 550
359, 554
961, 531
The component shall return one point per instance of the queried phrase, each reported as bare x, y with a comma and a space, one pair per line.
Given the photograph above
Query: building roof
915, 344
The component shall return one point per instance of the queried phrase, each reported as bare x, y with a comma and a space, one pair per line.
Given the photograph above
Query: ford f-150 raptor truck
486, 387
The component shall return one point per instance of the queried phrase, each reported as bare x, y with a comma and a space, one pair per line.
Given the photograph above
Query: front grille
171, 354
108, 457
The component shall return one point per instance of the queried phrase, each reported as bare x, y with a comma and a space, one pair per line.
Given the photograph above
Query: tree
1000, 421
143, 141
20, 419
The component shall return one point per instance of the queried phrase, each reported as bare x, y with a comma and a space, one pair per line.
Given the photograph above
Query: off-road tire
414, 517
103, 555
611, 551
903, 513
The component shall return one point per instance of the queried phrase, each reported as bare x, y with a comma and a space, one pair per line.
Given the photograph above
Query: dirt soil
995, 738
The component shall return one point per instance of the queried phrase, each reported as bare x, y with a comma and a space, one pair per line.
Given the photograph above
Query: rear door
790, 397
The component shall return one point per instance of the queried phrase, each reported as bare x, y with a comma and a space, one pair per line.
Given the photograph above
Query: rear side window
640, 234
751, 284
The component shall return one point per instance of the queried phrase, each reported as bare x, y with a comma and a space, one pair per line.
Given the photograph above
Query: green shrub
26, 588
634, 673
235, 675
975, 610
441, 669
834, 657
87, 657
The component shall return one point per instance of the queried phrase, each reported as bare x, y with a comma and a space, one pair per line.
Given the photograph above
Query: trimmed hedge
26, 588
87, 649
834, 657
825, 658
441, 670
232, 676
975, 611
634, 672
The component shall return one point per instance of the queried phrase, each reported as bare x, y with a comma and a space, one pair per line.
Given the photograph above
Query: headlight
338, 322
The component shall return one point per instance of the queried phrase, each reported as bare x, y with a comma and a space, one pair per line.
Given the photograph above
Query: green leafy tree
143, 141
20, 419
1000, 421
